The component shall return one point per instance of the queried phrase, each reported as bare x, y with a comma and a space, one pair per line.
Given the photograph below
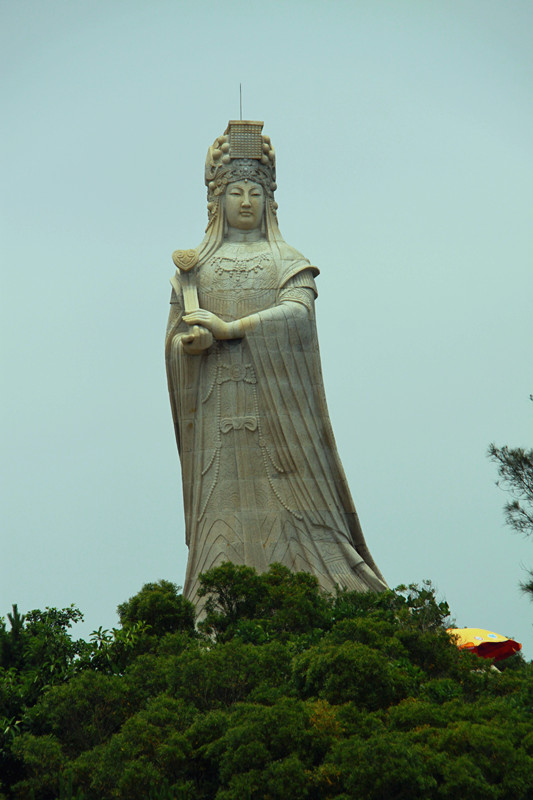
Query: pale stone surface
262, 479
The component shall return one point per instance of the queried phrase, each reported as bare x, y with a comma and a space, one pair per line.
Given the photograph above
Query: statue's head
240, 174
244, 205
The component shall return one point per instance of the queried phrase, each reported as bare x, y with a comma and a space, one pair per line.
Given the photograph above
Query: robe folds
262, 478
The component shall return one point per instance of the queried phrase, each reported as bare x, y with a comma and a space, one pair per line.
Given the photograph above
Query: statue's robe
262, 479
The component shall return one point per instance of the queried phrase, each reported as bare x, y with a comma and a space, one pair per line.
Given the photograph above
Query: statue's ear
185, 260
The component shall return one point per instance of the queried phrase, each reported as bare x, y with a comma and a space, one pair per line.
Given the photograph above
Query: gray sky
403, 133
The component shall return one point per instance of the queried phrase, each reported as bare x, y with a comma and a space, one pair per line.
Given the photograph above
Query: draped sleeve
311, 480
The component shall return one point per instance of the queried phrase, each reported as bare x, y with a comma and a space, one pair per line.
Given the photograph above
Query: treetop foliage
515, 475
159, 607
279, 692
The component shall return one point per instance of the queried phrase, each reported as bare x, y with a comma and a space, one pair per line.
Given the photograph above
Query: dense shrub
281, 692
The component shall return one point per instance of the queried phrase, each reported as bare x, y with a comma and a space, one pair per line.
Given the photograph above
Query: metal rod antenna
240, 98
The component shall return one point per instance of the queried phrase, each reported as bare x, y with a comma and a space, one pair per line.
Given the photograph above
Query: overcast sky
403, 133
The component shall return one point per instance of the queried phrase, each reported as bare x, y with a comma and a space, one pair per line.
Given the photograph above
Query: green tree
160, 607
36, 652
289, 693
515, 475
240, 602
156, 612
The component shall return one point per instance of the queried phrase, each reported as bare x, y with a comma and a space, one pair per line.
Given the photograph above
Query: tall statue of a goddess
262, 479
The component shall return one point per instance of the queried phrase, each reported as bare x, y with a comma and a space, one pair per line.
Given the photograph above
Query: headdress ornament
242, 153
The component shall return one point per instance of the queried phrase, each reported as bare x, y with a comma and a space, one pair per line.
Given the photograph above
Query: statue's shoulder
293, 262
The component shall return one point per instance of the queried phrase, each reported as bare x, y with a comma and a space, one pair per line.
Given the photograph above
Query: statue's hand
198, 340
217, 326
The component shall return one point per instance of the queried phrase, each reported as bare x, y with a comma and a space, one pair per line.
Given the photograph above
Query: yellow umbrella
484, 643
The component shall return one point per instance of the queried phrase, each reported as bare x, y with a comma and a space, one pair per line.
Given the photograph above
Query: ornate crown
242, 153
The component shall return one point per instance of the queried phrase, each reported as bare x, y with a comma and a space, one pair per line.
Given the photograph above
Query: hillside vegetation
280, 693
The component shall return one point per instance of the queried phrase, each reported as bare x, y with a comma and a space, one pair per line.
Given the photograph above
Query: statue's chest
234, 283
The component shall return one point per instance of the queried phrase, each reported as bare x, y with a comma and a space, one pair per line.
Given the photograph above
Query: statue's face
244, 204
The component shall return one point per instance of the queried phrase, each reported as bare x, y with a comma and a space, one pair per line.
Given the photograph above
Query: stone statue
262, 479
